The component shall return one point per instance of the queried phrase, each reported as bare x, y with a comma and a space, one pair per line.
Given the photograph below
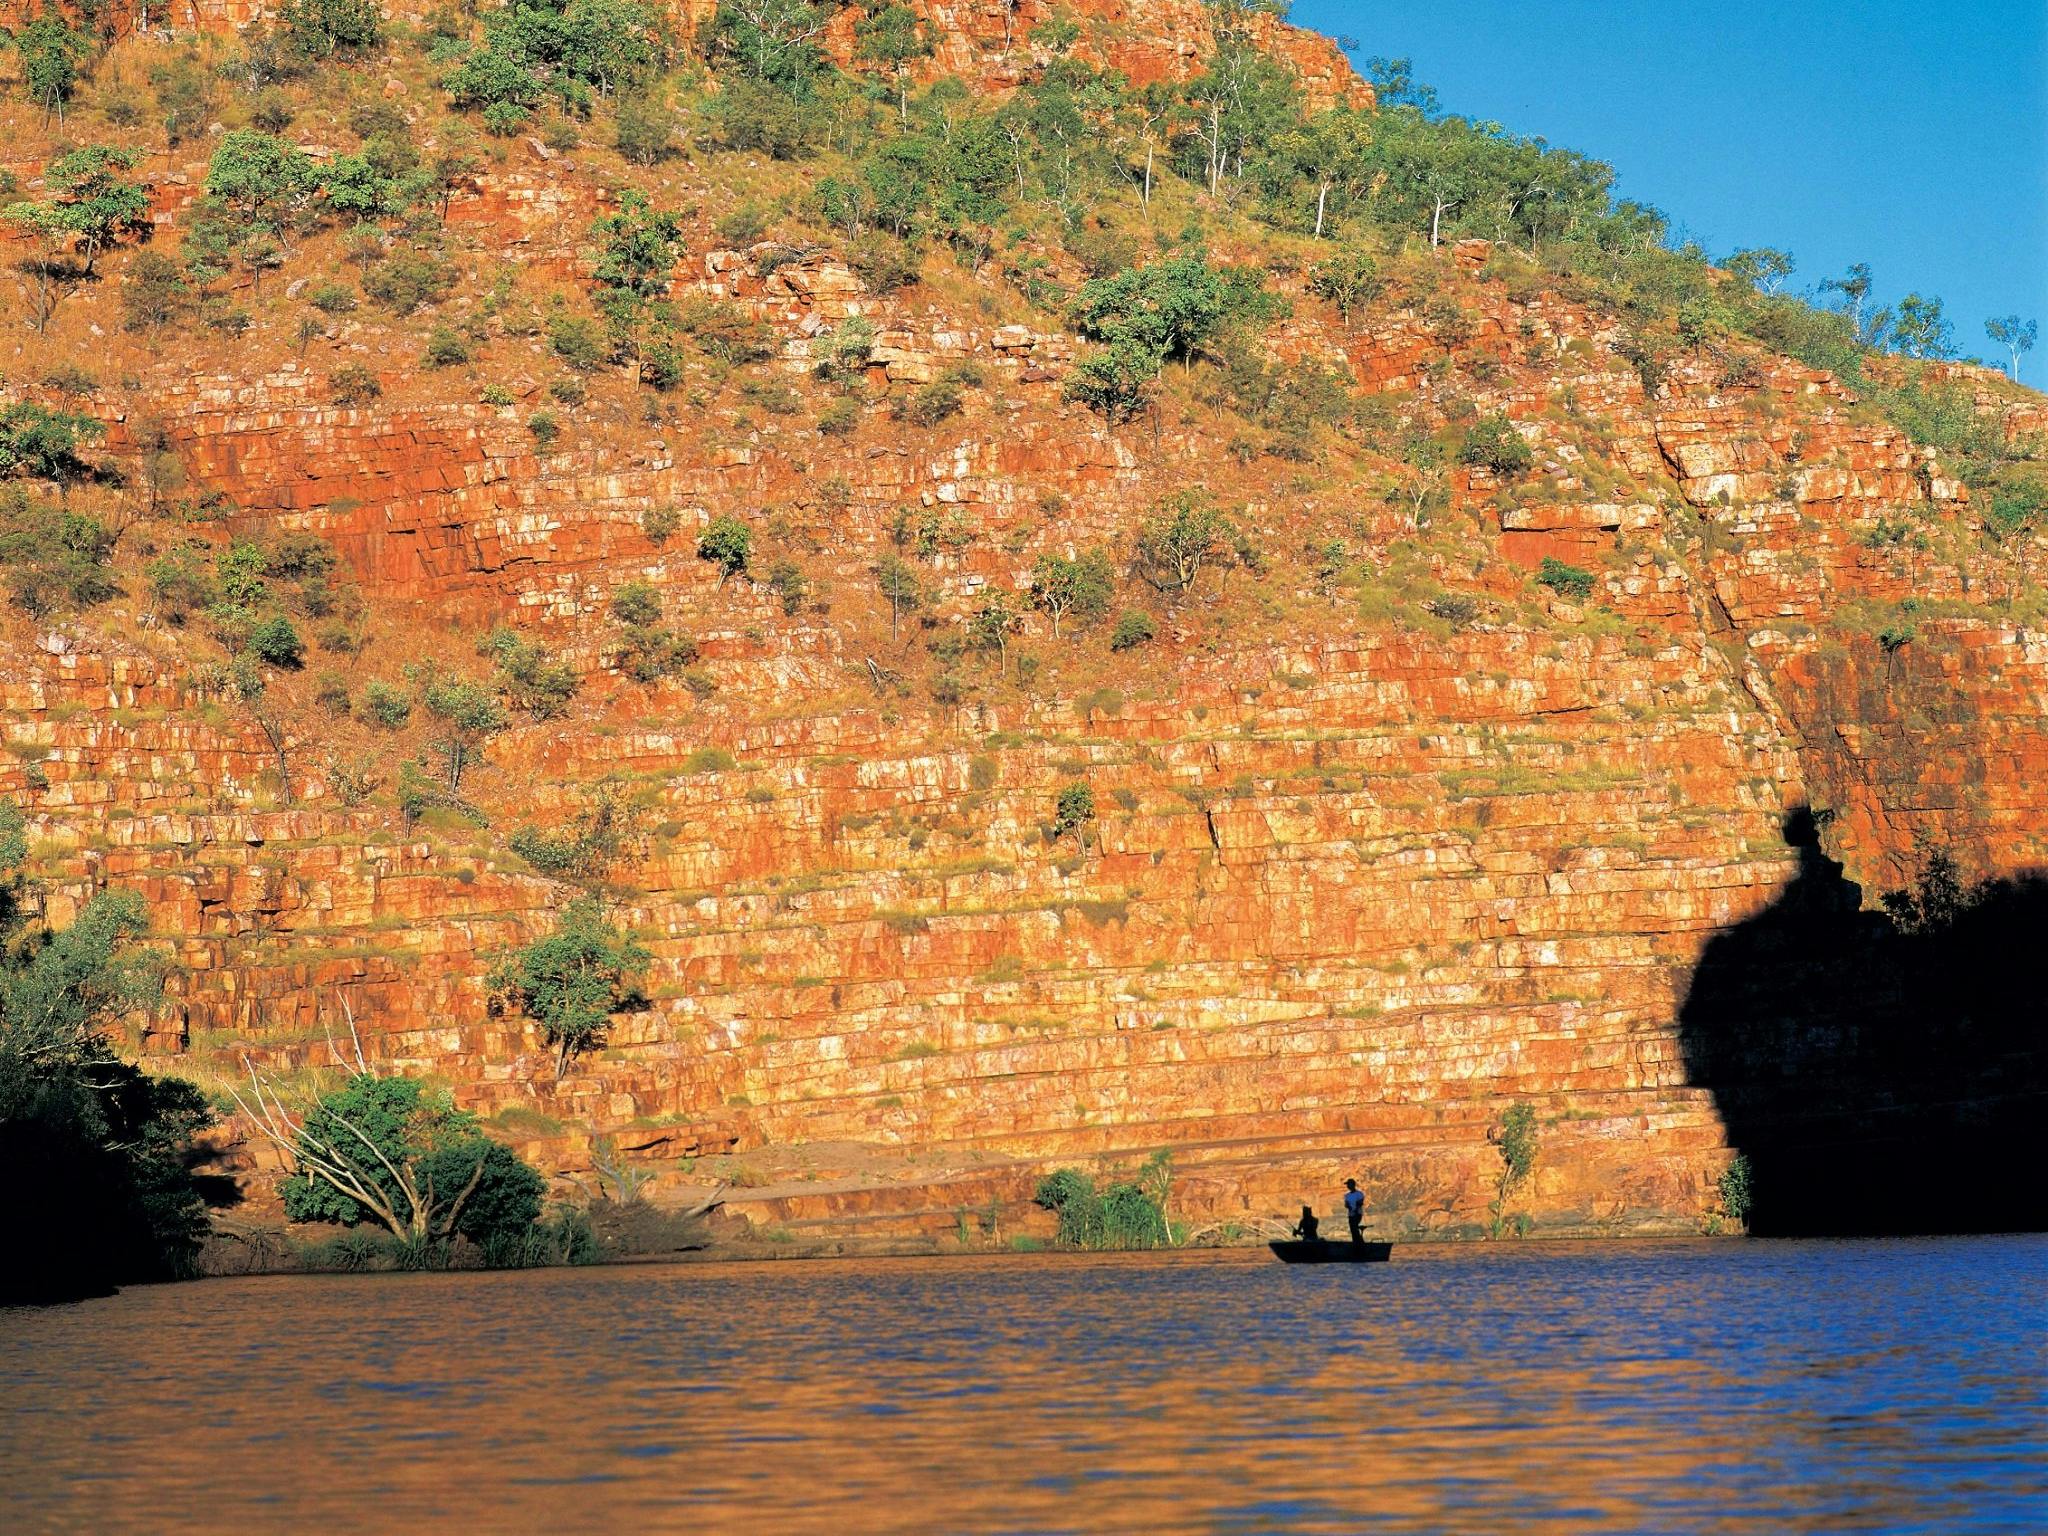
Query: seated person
1306, 1228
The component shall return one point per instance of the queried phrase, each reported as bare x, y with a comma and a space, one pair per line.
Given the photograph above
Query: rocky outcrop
1390, 834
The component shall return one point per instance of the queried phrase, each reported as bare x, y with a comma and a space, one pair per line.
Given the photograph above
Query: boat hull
1322, 1251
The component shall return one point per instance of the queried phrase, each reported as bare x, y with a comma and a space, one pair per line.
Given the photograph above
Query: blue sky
1911, 136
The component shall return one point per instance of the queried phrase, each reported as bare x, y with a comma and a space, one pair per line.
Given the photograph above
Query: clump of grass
1129, 1214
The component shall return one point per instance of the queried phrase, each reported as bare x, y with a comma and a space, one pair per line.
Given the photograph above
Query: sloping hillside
996, 543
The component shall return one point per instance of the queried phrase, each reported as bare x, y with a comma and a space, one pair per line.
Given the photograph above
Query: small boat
1323, 1251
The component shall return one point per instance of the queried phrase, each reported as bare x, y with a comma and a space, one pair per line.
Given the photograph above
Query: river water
1896, 1386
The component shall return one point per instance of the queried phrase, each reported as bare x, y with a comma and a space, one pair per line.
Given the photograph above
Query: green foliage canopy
1126, 1214
41, 442
98, 1148
89, 199
391, 1151
1077, 587
54, 558
573, 980
727, 544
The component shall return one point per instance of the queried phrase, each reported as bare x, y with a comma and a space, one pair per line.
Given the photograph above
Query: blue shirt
1354, 1203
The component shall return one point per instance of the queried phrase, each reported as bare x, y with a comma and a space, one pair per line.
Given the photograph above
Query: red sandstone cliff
1370, 864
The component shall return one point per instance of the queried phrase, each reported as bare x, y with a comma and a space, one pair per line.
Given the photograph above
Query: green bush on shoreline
562, 1236
98, 1151
1127, 1214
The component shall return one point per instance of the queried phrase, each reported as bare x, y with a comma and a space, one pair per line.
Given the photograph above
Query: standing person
1354, 1211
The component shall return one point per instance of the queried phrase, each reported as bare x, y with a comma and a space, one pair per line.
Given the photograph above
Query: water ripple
1782, 1387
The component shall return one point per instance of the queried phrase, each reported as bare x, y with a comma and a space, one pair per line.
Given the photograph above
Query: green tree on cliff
637, 253
88, 200
528, 676
1919, 329
258, 190
572, 981
1763, 267
637, 246
381, 182
1350, 279
321, 29
1316, 171
1074, 813
991, 624
1854, 286
466, 715
727, 544
1115, 380
892, 39
774, 42
53, 55
54, 558
1073, 588
42, 443
567, 50
1242, 102
2017, 336
261, 180
897, 583
391, 1152
1164, 311
1173, 546
96, 1150
1515, 1140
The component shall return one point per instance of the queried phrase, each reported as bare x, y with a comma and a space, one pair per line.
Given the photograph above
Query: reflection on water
1697, 1387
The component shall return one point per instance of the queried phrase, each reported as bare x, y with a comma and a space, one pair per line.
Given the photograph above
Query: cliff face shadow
1882, 1071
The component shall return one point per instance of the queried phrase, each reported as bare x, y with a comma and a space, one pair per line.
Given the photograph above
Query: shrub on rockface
320, 29
586, 848
42, 443
1734, 1188
465, 714
1133, 628
276, 642
1493, 443
572, 981
1078, 587
1186, 535
98, 1151
409, 282
386, 706
569, 52
1145, 317
352, 384
89, 201
929, 404
530, 678
727, 544
53, 559
1514, 1138
1074, 813
645, 132
1164, 311
1569, 581
636, 602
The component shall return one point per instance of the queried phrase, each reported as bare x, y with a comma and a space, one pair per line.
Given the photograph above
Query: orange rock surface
1361, 877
